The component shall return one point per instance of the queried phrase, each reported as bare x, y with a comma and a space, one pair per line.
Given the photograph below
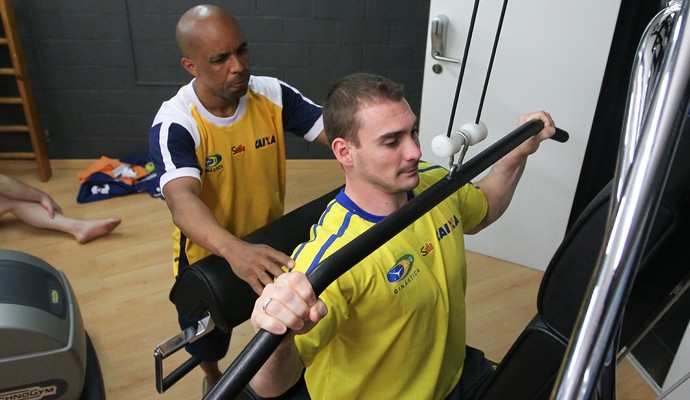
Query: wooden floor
122, 281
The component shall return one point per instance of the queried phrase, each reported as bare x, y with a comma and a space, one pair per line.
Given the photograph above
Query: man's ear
189, 66
342, 149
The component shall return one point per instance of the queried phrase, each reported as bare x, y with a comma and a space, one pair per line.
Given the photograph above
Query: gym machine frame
658, 101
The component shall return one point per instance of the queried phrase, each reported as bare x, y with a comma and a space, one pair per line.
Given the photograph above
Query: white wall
551, 56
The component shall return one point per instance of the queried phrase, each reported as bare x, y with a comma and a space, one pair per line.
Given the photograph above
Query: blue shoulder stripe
327, 244
313, 230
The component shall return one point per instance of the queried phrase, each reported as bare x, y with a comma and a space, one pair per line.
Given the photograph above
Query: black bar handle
264, 343
560, 135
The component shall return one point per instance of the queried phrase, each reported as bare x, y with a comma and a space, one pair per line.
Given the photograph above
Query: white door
551, 56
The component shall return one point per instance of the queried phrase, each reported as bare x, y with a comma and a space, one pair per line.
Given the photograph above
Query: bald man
219, 149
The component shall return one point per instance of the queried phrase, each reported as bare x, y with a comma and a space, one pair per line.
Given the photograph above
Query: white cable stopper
475, 133
469, 134
444, 146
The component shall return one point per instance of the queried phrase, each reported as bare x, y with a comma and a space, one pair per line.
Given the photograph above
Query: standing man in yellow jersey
219, 148
393, 326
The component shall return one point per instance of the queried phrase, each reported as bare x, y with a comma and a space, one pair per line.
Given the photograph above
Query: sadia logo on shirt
213, 163
238, 149
401, 268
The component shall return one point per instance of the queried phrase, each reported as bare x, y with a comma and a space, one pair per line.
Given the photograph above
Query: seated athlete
393, 326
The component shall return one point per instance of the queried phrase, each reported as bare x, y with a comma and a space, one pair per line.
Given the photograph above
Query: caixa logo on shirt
213, 163
265, 141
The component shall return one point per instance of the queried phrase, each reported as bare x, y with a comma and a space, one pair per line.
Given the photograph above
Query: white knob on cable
475, 133
444, 146
469, 134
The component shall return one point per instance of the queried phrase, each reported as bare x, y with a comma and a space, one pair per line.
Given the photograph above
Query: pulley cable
491, 62
469, 133
470, 32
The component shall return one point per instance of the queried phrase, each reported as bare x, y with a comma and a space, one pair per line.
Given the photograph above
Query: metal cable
470, 32
491, 61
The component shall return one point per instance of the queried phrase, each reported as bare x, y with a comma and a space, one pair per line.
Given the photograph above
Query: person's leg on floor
33, 214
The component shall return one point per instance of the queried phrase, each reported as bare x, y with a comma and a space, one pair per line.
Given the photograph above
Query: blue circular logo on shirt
400, 269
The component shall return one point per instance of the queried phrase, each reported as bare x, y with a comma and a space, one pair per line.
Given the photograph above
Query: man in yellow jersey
219, 148
393, 326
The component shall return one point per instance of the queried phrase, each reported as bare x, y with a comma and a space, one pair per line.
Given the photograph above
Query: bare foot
93, 229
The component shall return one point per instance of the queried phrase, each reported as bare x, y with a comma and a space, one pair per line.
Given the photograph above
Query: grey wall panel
100, 68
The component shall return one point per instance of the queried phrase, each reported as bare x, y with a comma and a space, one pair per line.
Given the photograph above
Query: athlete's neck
217, 105
375, 201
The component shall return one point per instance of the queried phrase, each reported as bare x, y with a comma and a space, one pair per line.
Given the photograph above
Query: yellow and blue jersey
240, 160
375, 340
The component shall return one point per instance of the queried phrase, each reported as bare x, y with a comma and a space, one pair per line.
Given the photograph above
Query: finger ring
266, 302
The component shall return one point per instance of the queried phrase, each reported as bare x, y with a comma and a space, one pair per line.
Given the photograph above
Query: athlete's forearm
280, 372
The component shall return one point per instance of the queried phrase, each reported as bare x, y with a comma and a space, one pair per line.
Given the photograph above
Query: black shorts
476, 370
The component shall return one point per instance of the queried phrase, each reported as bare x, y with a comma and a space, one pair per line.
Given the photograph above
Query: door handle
439, 32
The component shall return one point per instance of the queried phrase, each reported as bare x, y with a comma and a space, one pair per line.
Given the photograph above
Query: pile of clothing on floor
107, 178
